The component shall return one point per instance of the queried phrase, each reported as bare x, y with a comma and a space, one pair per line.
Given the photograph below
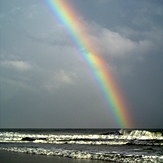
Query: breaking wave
121, 137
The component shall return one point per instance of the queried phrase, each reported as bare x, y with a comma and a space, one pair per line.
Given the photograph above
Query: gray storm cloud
45, 83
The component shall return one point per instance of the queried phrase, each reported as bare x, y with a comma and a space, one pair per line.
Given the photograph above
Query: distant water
119, 145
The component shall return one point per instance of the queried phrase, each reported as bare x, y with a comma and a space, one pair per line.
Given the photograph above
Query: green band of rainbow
79, 35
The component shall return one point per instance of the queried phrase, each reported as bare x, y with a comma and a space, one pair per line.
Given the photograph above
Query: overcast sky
44, 82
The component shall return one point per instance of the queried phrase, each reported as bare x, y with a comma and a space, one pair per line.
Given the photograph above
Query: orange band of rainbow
79, 35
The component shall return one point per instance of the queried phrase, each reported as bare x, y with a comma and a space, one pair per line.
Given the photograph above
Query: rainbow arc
105, 80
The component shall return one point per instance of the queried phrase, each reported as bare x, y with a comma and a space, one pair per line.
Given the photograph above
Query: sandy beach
14, 157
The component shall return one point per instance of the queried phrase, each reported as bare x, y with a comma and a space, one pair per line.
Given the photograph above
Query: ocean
112, 145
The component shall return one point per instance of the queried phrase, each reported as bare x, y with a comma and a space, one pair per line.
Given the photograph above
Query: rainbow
79, 36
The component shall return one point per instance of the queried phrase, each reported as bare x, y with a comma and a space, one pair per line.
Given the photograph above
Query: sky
44, 83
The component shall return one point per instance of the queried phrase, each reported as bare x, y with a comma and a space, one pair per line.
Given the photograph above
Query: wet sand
14, 157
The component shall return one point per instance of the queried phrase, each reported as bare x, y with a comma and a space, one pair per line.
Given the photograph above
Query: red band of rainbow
79, 35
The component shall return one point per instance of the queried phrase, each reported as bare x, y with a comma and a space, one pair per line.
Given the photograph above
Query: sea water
119, 145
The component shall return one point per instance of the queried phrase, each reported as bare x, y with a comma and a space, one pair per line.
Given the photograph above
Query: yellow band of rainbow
79, 35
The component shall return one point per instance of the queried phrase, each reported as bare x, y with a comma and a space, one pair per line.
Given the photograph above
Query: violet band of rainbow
98, 67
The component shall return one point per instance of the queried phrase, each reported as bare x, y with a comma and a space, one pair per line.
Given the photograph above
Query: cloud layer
19, 65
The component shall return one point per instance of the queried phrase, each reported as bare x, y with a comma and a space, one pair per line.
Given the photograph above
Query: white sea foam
104, 155
142, 134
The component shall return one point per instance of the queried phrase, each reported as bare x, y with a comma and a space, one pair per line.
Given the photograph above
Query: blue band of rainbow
79, 35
